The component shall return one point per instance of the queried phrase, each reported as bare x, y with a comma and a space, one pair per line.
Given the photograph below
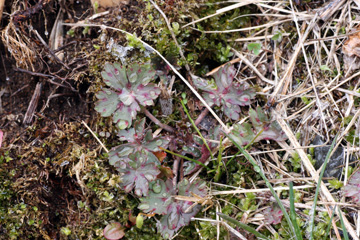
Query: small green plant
225, 92
129, 88
260, 129
140, 160
277, 36
138, 140
138, 172
176, 213
254, 47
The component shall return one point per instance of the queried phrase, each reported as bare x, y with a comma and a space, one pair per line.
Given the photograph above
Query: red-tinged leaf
159, 197
273, 215
166, 172
352, 189
261, 128
225, 92
138, 140
179, 212
114, 231
132, 218
160, 155
137, 173
269, 129
1, 137
128, 88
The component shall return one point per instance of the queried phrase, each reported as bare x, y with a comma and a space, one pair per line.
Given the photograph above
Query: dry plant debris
301, 58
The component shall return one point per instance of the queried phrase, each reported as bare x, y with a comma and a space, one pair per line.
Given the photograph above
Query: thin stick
267, 25
223, 10
94, 135
301, 43
330, 9
33, 104
157, 122
201, 116
288, 74
247, 62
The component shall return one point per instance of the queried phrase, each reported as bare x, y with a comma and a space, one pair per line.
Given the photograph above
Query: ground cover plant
179, 119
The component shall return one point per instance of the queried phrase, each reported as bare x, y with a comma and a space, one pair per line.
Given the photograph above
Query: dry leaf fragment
351, 51
109, 3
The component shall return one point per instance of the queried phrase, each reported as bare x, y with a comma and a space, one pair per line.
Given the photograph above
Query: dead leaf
351, 51
109, 3
160, 155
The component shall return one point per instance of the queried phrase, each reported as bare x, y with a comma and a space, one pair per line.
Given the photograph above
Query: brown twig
330, 9
50, 51
33, 104
48, 78
201, 116
157, 122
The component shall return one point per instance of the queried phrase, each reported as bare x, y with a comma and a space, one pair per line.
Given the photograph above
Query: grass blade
293, 213
329, 224
312, 212
258, 170
345, 233
218, 170
242, 225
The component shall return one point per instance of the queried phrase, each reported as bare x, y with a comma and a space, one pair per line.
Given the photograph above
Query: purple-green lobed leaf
270, 130
105, 104
226, 93
159, 197
260, 127
138, 140
137, 174
352, 189
176, 213
129, 88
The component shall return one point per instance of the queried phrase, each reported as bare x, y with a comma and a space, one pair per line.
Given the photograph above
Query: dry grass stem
310, 168
94, 135
258, 190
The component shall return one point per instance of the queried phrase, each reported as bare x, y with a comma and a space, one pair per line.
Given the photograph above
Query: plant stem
157, 122
218, 171
196, 129
184, 157
176, 170
201, 116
